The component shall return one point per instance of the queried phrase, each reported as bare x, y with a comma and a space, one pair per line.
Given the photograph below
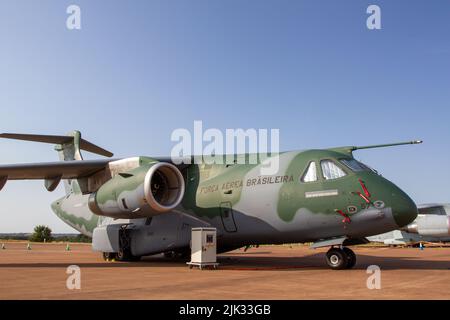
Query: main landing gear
341, 258
122, 255
109, 256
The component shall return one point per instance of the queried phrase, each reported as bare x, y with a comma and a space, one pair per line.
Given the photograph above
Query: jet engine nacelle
431, 225
145, 191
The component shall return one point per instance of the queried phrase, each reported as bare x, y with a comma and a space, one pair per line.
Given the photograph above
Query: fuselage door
226, 213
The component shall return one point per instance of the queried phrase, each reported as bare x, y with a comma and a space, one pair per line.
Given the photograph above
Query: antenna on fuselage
353, 148
386, 145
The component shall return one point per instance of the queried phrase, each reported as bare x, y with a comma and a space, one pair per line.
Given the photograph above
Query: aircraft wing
49, 170
53, 172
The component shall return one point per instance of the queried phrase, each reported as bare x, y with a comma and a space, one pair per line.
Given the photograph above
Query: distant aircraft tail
69, 147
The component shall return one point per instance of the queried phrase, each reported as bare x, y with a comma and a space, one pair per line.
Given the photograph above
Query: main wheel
351, 257
337, 259
125, 255
107, 256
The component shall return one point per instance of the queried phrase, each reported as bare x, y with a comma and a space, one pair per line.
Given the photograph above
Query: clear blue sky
140, 69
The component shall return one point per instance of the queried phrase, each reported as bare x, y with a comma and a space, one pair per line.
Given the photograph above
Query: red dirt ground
267, 272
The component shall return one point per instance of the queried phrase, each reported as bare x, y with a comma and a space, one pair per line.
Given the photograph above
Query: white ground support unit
203, 248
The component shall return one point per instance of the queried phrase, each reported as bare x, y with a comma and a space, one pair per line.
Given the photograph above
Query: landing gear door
226, 213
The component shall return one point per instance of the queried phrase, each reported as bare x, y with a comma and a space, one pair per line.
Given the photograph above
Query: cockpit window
357, 166
330, 170
310, 174
354, 165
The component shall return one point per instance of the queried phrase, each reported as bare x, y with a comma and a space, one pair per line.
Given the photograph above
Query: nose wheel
341, 258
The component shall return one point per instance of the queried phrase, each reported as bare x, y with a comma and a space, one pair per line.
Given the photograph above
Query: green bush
41, 233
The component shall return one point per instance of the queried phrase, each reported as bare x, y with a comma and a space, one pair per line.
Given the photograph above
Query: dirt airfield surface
267, 272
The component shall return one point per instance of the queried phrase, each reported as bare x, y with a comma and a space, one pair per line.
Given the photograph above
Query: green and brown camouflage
343, 199
277, 202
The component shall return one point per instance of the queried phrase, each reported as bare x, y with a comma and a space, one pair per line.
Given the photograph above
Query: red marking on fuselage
346, 217
363, 186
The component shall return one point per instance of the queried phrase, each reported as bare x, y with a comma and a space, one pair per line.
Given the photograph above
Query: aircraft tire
337, 259
125, 255
351, 258
122, 255
184, 254
107, 256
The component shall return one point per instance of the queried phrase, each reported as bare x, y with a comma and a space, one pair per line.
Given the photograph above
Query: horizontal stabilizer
84, 144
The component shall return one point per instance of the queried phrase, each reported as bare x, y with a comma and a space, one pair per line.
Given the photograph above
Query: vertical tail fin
70, 150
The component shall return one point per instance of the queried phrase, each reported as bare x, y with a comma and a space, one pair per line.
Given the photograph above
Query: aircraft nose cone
404, 210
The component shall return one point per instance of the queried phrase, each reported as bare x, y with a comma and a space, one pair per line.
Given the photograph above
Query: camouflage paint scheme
267, 209
246, 207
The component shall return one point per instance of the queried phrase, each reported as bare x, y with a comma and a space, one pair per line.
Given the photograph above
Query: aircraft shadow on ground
317, 261
258, 263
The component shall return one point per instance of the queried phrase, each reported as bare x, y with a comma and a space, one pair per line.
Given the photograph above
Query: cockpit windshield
330, 170
356, 166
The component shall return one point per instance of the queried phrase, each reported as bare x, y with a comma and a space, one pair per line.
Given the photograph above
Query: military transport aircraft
139, 206
432, 225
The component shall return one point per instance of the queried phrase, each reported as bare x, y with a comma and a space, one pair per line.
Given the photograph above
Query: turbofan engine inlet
145, 191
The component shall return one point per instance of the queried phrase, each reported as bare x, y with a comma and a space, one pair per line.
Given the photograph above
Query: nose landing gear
341, 258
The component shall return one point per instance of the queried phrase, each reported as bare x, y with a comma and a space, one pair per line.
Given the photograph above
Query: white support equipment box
203, 248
